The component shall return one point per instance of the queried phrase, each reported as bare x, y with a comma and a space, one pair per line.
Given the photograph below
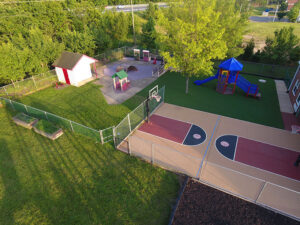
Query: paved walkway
138, 79
283, 97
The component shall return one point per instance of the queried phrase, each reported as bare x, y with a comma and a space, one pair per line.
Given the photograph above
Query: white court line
187, 133
248, 164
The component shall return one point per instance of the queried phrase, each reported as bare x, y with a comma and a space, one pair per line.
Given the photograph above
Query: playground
252, 161
140, 74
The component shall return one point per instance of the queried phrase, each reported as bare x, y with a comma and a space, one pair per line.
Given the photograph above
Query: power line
36, 1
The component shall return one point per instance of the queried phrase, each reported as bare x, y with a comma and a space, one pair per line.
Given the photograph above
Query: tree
151, 11
192, 37
283, 48
280, 15
294, 12
283, 6
249, 50
13, 62
148, 37
233, 22
79, 42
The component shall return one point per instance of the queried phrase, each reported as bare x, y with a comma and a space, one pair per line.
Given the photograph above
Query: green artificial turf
25, 118
46, 126
75, 180
262, 111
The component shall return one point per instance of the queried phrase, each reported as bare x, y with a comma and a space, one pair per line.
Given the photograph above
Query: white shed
74, 68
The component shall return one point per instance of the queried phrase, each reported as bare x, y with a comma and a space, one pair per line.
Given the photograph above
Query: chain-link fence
266, 70
102, 136
136, 117
29, 85
111, 55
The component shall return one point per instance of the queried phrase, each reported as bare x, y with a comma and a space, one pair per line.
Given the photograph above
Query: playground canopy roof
121, 74
231, 65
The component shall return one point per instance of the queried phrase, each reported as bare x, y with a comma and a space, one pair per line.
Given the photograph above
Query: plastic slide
246, 86
199, 82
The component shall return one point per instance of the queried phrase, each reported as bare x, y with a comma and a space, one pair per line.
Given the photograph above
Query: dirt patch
201, 204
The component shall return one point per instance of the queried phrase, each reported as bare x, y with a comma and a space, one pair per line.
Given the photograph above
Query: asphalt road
266, 19
127, 8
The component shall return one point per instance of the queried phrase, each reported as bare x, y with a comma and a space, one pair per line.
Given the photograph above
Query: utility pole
134, 39
275, 13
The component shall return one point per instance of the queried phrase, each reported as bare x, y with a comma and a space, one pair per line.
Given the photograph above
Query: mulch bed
201, 204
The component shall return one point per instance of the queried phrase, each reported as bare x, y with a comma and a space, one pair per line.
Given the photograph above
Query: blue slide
199, 82
246, 86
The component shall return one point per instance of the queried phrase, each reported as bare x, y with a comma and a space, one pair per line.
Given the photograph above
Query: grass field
73, 180
260, 31
264, 111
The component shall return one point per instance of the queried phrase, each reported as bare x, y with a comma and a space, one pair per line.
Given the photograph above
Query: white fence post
34, 82
101, 137
26, 108
5, 90
12, 105
129, 124
114, 135
46, 115
71, 125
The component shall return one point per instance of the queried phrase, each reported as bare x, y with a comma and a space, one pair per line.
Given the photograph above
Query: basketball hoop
156, 97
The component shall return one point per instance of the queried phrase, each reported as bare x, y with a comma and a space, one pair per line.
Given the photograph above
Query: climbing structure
228, 78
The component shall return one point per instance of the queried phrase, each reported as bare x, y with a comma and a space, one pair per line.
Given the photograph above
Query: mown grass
74, 180
46, 126
260, 31
25, 118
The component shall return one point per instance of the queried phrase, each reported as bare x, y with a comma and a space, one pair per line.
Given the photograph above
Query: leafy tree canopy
192, 37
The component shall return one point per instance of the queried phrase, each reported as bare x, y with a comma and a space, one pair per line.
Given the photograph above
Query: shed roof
67, 60
121, 74
231, 65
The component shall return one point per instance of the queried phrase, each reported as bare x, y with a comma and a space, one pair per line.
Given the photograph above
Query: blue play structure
228, 78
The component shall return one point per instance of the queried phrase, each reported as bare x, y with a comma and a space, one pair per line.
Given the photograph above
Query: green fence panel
59, 121
36, 113
122, 131
137, 116
107, 134
85, 131
19, 107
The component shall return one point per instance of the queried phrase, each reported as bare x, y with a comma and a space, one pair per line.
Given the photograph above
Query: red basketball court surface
256, 162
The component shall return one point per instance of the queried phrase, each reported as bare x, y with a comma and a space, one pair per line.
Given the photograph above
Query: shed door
66, 76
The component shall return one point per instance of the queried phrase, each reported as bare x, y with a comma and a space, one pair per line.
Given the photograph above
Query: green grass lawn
25, 118
264, 111
74, 180
260, 31
46, 126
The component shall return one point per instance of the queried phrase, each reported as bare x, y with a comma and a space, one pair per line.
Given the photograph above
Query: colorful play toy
122, 83
146, 56
228, 78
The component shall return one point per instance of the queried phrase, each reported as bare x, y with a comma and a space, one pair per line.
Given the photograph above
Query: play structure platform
228, 78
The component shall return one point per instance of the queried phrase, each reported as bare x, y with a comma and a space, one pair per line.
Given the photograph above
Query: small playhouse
120, 81
74, 68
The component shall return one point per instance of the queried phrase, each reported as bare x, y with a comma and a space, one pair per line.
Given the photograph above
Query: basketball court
249, 160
